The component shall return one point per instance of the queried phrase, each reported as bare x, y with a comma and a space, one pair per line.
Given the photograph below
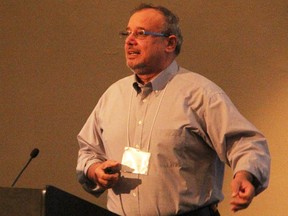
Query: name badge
135, 161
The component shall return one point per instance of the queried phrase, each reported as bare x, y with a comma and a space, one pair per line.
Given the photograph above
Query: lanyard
154, 119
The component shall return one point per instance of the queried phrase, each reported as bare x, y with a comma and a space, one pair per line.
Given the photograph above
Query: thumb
235, 186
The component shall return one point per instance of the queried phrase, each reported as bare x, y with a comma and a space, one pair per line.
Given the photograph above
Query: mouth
133, 53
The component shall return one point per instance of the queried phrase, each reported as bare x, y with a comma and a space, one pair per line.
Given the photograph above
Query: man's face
146, 55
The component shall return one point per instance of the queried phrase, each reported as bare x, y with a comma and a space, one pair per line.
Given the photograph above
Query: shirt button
144, 100
134, 194
140, 122
137, 146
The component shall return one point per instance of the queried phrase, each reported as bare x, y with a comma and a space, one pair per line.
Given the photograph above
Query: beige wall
57, 58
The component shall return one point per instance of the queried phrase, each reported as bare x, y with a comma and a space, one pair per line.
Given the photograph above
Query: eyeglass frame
144, 33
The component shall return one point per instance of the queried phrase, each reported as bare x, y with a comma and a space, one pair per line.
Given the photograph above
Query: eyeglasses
141, 33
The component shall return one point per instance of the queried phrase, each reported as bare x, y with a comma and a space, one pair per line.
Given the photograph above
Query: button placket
140, 117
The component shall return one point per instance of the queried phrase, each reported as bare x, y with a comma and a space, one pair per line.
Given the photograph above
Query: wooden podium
49, 201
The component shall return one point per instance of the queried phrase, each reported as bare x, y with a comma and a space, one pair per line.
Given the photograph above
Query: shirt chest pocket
180, 147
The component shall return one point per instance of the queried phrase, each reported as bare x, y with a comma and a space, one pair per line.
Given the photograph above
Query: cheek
155, 53
151, 50
158, 47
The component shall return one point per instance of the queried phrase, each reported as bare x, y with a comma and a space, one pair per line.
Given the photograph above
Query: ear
171, 43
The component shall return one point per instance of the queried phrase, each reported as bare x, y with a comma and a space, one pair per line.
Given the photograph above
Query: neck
145, 78
148, 75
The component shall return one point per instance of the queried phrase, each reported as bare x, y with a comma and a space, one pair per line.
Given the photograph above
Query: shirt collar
161, 80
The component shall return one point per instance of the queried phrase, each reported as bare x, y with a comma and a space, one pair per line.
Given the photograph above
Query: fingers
107, 180
111, 167
243, 193
107, 174
235, 185
239, 203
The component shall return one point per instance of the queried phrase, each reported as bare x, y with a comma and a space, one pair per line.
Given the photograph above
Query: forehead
148, 19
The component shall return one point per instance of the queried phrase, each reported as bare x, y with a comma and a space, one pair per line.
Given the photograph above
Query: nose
131, 39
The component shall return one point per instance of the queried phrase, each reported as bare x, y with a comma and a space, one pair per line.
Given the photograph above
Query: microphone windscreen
34, 153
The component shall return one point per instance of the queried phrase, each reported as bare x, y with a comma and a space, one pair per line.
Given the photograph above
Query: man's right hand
105, 174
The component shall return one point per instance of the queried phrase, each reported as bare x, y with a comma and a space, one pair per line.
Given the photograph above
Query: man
158, 139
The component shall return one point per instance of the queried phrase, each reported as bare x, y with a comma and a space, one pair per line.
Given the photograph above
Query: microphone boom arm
33, 154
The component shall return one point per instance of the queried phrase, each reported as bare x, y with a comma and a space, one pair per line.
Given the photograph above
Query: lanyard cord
150, 133
154, 119
128, 120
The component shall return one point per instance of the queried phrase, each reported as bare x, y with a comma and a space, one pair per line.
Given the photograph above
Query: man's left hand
243, 191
